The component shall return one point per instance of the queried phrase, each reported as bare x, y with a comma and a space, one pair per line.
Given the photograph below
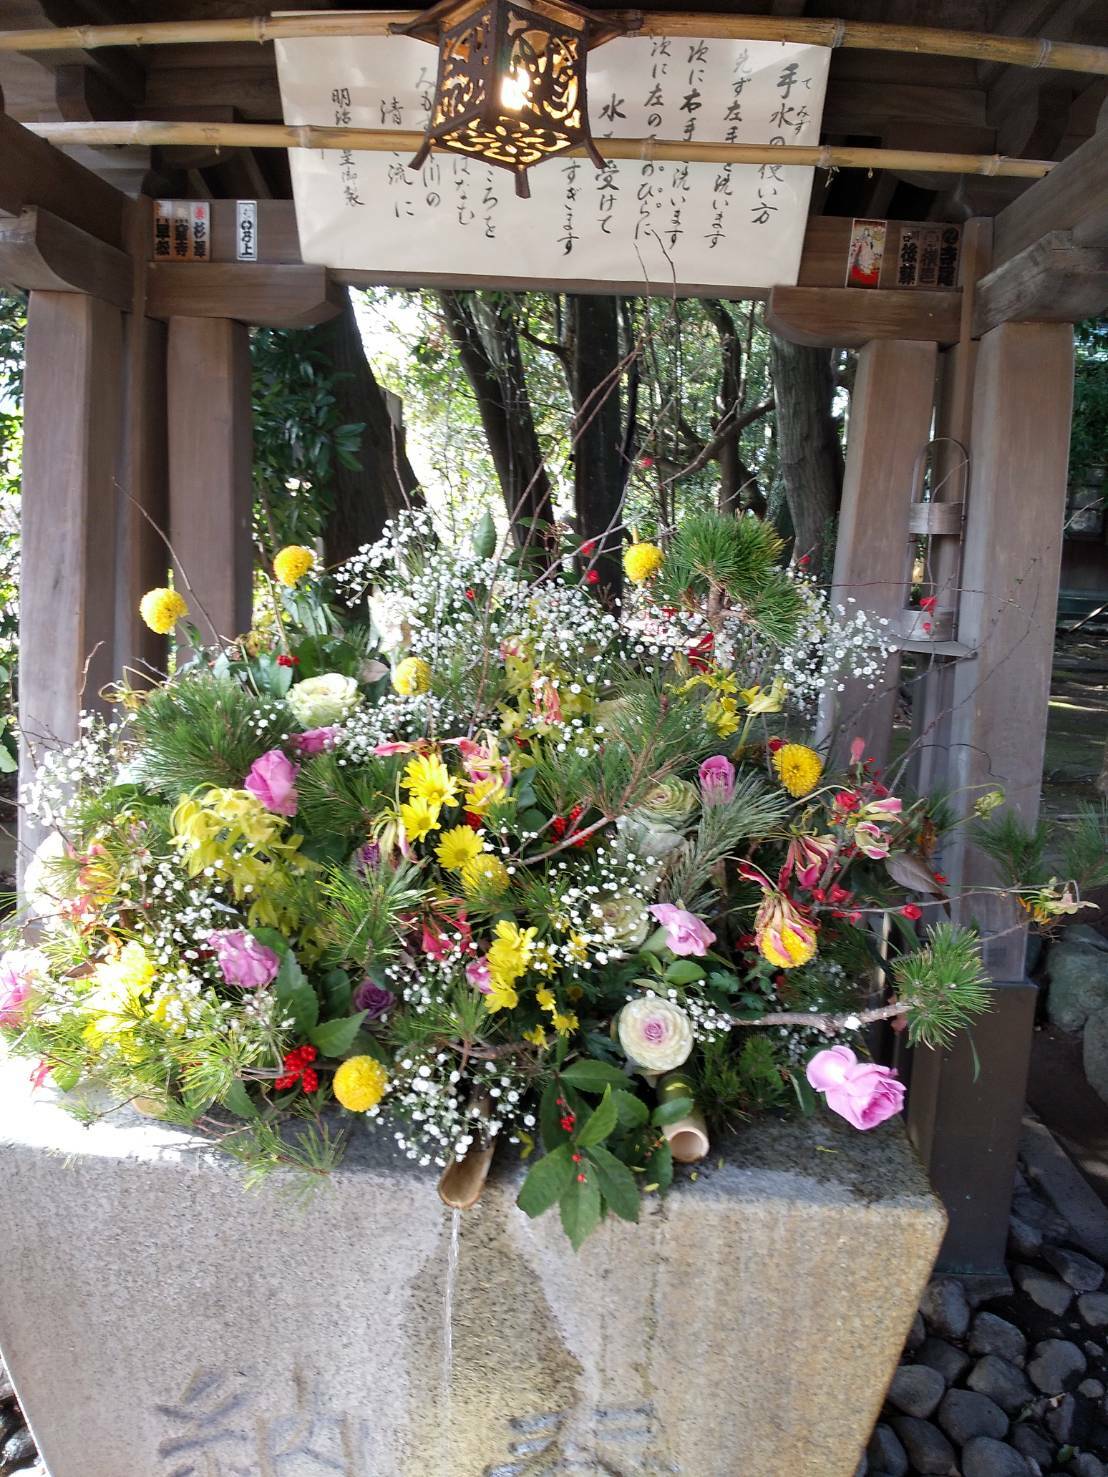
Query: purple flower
861, 1092
244, 961
717, 779
272, 780
315, 740
367, 858
685, 933
374, 999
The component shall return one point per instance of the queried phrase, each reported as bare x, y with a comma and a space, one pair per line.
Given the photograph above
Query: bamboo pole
1019, 51
406, 141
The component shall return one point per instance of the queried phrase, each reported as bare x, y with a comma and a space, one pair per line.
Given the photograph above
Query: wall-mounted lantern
511, 80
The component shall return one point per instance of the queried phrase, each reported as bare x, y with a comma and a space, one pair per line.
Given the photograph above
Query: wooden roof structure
137, 408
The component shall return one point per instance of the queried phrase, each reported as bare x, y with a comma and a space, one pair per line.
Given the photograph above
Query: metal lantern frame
511, 84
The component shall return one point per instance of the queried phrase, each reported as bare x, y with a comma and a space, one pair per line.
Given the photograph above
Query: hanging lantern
511, 80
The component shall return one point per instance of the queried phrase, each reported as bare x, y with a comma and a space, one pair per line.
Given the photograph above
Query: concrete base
160, 1321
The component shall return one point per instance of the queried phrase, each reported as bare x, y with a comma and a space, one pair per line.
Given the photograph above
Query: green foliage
740, 558
943, 983
1089, 434
1021, 852
753, 809
734, 1081
363, 918
341, 800
203, 730
1018, 850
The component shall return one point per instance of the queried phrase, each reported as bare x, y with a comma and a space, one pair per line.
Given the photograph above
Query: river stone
1084, 936
1093, 1308
993, 1335
1024, 1239
1078, 984
1032, 1444
886, 1452
1060, 1418
916, 1389
1091, 1389
1045, 1291
750, 1323
951, 1363
1080, 1272
964, 1414
945, 1308
1087, 1465
1002, 1382
984, 1457
916, 1335
17, 1451
1056, 1364
929, 1452
1094, 1053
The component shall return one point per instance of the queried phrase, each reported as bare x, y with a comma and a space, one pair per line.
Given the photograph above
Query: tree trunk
367, 496
487, 340
808, 447
599, 470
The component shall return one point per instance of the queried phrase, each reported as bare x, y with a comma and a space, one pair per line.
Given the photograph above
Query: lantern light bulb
514, 90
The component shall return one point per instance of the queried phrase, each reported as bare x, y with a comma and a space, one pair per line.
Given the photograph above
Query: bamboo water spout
463, 1180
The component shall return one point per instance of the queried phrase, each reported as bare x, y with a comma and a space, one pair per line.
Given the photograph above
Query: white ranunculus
44, 883
319, 701
656, 1034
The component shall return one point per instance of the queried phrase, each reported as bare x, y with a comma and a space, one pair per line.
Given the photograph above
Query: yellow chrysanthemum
564, 1024
419, 819
641, 562
120, 984
458, 846
485, 873
545, 998
411, 676
427, 778
510, 951
536, 1036
360, 1083
798, 768
481, 795
161, 609
502, 995
292, 563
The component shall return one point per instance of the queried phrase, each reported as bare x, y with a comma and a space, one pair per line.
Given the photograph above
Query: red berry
588, 548
471, 595
592, 577
775, 744
558, 826
581, 1178
308, 1053
310, 1080
909, 910
285, 660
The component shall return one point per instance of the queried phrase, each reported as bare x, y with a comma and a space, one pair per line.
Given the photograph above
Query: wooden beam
40, 251
33, 172
1074, 193
210, 484
889, 425
1052, 281
266, 297
848, 317
70, 440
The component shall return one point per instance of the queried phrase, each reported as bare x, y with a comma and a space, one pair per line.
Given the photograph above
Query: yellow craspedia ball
641, 561
293, 563
360, 1083
411, 676
485, 873
161, 609
798, 768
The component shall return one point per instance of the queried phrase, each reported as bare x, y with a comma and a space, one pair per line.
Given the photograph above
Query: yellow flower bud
642, 561
292, 564
360, 1083
161, 609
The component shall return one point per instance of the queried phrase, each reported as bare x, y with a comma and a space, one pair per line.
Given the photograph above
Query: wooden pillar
890, 424
210, 470
142, 557
70, 447
968, 1129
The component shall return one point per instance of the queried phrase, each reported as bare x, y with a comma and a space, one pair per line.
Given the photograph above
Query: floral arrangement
445, 842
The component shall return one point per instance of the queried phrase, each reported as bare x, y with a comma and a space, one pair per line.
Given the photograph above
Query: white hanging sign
645, 226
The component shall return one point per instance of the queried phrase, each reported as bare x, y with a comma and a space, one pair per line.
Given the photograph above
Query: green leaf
617, 1184
589, 1075
238, 1101
671, 1110
805, 1096
335, 1037
547, 1181
659, 1169
272, 940
684, 972
550, 1116
64, 1078
337, 992
8, 765
580, 1208
484, 536
296, 994
633, 1112
602, 1122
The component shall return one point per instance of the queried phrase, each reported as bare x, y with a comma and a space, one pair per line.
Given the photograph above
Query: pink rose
315, 740
477, 973
19, 971
861, 1092
717, 779
685, 933
244, 961
272, 780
